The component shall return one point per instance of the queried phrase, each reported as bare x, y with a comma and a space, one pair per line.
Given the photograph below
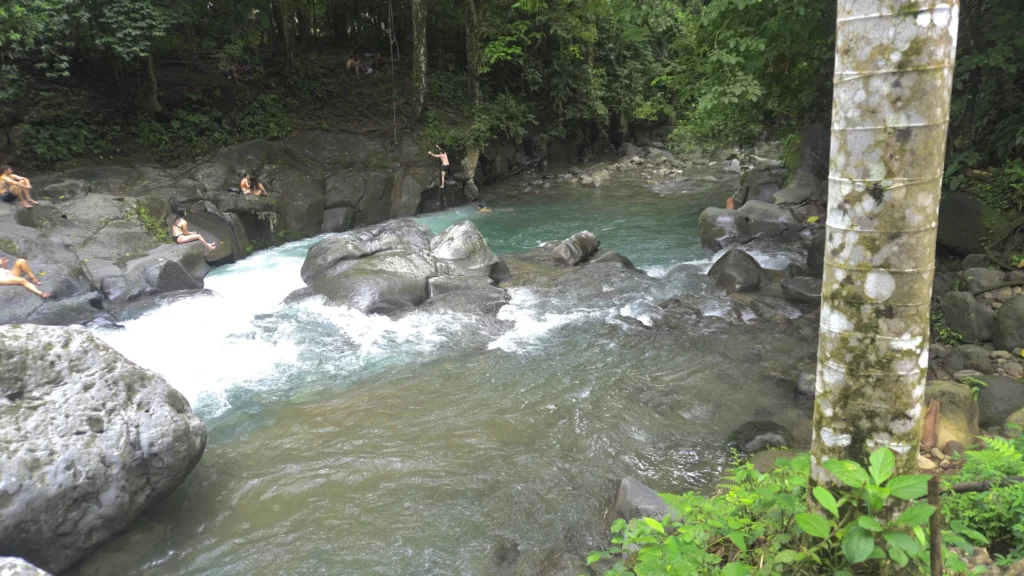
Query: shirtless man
181, 234
445, 167
353, 64
14, 276
14, 187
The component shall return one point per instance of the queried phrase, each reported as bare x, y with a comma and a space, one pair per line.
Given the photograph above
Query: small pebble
937, 454
1000, 354
945, 464
997, 305
988, 296
1017, 290
923, 463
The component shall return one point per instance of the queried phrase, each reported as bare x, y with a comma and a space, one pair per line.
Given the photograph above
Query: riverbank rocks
969, 358
958, 412
736, 271
720, 228
19, 567
804, 290
1009, 328
998, 399
963, 224
88, 441
968, 317
576, 249
634, 499
982, 279
758, 435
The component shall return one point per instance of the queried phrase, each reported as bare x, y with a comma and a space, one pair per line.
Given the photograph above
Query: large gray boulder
406, 235
997, 400
88, 441
736, 271
968, 317
968, 358
760, 184
576, 249
963, 223
717, 229
762, 220
1009, 329
462, 251
982, 279
18, 567
473, 295
804, 187
634, 499
802, 289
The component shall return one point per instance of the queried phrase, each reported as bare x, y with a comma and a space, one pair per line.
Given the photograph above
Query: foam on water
530, 321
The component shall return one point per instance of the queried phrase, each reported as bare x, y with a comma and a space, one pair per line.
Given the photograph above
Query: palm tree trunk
894, 71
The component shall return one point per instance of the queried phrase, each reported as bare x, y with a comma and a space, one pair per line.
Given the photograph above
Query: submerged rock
577, 248
758, 435
611, 257
88, 441
561, 563
736, 271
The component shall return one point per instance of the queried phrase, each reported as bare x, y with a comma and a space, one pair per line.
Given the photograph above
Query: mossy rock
958, 412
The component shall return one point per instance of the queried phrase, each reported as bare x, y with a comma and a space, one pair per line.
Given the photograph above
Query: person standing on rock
14, 187
445, 167
181, 234
14, 276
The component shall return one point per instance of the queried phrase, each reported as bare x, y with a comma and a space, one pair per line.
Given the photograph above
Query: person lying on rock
445, 167
252, 187
14, 187
181, 234
16, 276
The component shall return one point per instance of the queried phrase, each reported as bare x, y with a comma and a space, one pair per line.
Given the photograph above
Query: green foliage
503, 117
998, 513
762, 524
62, 127
129, 27
155, 226
198, 128
941, 332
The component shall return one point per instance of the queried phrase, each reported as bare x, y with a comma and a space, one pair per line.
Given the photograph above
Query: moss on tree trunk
894, 67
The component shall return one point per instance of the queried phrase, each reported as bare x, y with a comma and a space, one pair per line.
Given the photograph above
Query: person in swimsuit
481, 207
445, 167
15, 276
181, 235
14, 187
252, 187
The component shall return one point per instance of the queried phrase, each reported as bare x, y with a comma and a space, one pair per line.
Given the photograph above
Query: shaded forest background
105, 79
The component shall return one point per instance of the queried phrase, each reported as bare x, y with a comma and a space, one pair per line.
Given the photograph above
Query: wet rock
634, 499
969, 358
561, 563
816, 254
301, 201
88, 440
462, 251
762, 220
758, 435
576, 249
18, 567
805, 290
736, 271
982, 279
338, 219
963, 223
760, 184
998, 399
382, 283
81, 309
968, 317
298, 296
734, 167
718, 229
611, 257
1009, 329
480, 301
958, 412
805, 385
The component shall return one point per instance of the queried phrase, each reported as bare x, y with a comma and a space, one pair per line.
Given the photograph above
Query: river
438, 444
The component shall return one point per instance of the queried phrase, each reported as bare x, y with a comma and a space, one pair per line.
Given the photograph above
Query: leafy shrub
941, 332
999, 512
60, 128
761, 523
262, 116
504, 117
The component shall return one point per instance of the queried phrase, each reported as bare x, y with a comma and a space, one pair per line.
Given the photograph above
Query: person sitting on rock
14, 187
481, 207
15, 276
353, 64
445, 167
181, 234
252, 187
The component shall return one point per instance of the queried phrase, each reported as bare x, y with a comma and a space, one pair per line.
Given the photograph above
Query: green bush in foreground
761, 524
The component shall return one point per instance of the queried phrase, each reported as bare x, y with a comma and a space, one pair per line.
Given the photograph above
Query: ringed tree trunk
419, 56
473, 52
890, 114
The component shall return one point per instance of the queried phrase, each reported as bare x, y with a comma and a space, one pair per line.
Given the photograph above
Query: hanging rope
394, 93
